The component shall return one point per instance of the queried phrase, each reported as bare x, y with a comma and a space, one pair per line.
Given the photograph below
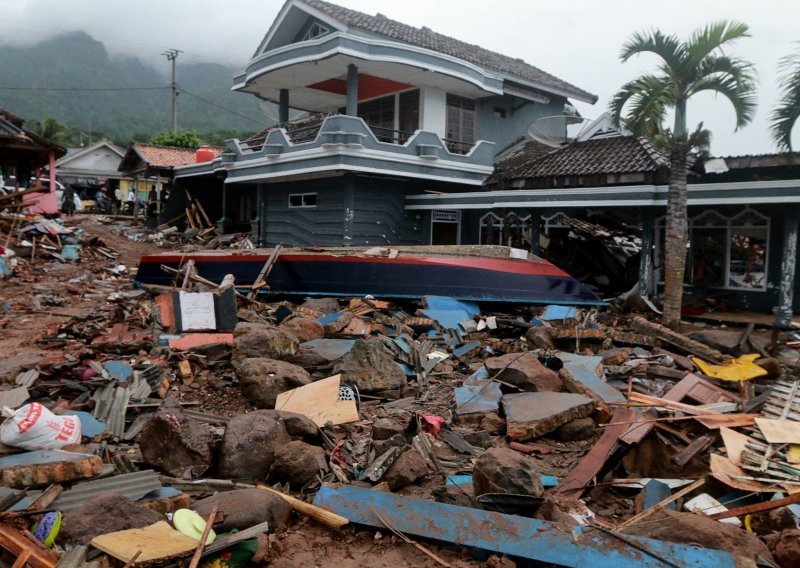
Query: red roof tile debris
169, 156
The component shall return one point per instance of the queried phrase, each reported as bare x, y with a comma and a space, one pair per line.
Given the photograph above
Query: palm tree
686, 68
785, 115
52, 130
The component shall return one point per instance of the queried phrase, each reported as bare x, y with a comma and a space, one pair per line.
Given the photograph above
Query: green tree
52, 130
185, 139
784, 116
687, 68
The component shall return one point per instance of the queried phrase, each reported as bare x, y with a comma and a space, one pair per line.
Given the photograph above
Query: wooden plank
582, 474
758, 507
156, 542
646, 513
261, 279
19, 545
779, 431
547, 543
678, 340
320, 402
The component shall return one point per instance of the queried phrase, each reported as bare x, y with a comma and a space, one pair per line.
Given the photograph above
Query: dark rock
370, 367
532, 414
248, 447
304, 329
578, 429
540, 337
786, 548
318, 352
298, 463
299, 426
481, 438
324, 305
408, 468
396, 441
174, 443
383, 429
501, 470
489, 421
688, 528
104, 514
773, 521
262, 340
262, 380
524, 371
244, 508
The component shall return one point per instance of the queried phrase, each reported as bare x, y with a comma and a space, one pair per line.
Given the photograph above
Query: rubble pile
199, 421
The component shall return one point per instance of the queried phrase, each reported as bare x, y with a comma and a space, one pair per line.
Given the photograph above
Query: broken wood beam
757, 507
678, 340
646, 513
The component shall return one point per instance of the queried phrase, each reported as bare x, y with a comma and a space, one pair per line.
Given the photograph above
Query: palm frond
785, 115
668, 48
706, 40
649, 97
737, 86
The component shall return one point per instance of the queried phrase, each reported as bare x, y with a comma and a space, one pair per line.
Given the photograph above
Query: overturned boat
468, 272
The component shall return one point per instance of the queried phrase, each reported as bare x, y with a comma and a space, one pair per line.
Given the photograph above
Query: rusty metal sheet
513, 535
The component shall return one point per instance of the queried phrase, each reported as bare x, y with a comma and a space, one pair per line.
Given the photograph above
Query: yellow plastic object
793, 454
47, 529
741, 369
191, 524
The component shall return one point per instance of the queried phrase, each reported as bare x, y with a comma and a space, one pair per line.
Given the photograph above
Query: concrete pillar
349, 209
784, 310
261, 221
352, 90
536, 229
283, 107
646, 258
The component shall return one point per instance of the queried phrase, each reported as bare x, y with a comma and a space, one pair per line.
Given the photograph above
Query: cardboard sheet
320, 402
157, 542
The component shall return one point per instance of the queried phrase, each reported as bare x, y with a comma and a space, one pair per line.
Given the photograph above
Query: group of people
71, 201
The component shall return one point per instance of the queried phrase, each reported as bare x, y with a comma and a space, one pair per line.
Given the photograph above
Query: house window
460, 124
511, 230
315, 30
724, 252
298, 200
247, 208
393, 118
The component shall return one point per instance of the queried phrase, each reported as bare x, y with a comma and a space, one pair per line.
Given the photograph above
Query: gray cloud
577, 40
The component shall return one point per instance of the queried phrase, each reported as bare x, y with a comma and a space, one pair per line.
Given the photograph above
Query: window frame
303, 204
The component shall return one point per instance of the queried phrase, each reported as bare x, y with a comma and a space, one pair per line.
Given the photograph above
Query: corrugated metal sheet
27, 378
134, 486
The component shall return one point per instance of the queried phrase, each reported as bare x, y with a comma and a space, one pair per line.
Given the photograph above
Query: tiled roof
615, 155
169, 156
428, 39
761, 161
525, 153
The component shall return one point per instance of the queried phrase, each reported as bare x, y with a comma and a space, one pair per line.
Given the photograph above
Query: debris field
213, 425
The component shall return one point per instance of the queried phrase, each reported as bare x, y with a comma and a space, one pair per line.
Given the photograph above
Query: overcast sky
576, 40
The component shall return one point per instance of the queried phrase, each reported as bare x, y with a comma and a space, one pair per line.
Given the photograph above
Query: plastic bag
33, 427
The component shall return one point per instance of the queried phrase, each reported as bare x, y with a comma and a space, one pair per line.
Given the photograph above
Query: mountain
132, 110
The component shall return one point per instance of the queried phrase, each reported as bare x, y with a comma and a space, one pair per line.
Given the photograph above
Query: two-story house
392, 111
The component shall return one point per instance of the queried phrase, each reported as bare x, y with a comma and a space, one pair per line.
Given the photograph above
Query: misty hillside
78, 61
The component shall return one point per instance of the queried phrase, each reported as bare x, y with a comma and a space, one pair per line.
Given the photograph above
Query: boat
483, 273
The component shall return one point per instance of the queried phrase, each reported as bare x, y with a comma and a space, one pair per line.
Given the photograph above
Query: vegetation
686, 68
784, 116
185, 139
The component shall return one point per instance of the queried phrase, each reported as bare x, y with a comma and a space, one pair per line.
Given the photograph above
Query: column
784, 310
646, 257
352, 90
536, 229
349, 181
283, 107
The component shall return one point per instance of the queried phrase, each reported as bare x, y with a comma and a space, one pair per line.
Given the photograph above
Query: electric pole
172, 55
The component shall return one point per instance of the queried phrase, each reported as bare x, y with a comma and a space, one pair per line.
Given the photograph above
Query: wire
83, 88
212, 103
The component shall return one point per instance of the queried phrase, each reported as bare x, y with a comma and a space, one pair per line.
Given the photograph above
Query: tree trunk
676, 236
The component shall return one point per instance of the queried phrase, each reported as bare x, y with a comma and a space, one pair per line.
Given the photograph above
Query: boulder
244, 508
104, 514
383, 429
689, 528
248, 447
298, 463
501, 470
786, 548
299, 426
540, 337
524, 371
262, 340
532, 414
489, 421
175, 443
324, 305
563, 510
407, 469
262, 380
304, 329
771, 365
578, 429
370, 367
319, 352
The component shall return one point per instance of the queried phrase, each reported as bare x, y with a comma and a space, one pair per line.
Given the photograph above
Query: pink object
88, 374
431, 424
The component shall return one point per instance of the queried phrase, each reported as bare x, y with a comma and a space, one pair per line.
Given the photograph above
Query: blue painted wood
654, 492
516, 536
581, 367
547, 480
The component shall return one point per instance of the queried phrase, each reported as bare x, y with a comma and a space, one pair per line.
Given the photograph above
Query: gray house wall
505, 131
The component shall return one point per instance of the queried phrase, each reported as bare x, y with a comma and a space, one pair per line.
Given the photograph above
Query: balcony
346, 143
